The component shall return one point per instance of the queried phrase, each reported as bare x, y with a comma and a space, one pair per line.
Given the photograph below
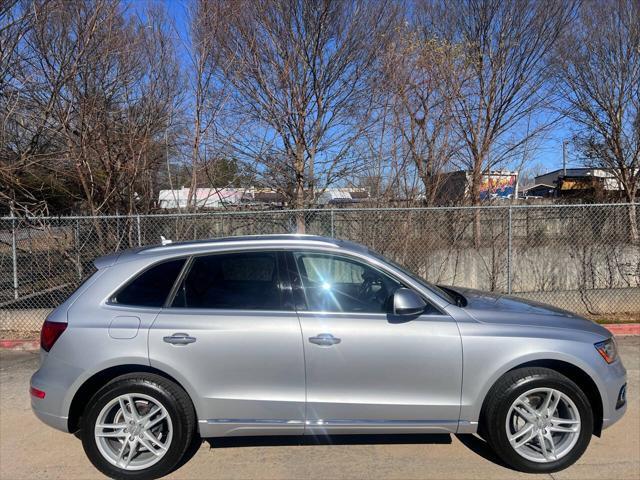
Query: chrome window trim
313, 246
364, 314
226, 311
438, 302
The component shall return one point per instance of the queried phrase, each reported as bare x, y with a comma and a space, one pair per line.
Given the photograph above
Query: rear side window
151, 288
238, 281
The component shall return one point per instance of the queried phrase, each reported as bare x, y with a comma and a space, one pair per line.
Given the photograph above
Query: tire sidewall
499, 435
179, 440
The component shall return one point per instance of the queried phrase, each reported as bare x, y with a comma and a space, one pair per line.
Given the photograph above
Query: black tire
173, 398
499, 400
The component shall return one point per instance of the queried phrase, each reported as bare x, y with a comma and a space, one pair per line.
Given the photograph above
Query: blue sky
548, 153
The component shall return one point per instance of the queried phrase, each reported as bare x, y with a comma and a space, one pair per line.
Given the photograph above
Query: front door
230, 338
365, 370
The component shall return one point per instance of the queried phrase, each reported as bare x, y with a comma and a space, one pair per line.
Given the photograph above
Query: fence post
14, 249
117, 230
78, 264
333, 233
139, 234
509, 253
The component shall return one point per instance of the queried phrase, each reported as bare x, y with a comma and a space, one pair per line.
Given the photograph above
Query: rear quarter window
151, 287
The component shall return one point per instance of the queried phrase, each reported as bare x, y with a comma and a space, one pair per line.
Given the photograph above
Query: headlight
608, 350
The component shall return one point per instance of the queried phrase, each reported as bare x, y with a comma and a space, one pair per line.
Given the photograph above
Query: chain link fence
584, 258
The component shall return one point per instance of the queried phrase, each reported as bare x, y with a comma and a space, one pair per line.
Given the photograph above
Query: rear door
234, 340
368, 371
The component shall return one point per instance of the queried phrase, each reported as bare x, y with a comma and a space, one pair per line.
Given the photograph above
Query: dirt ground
29, 449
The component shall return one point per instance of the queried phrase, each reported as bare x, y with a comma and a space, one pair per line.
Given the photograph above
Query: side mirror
407, 302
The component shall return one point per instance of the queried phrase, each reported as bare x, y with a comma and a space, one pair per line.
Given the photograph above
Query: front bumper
614, 398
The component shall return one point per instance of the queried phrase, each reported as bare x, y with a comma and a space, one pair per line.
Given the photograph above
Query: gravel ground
29, 449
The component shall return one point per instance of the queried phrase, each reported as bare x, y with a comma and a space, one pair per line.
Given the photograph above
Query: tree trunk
299, 194
476, 180
633, 222
300, 222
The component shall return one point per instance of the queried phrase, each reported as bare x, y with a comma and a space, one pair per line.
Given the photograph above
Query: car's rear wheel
138, 426
537, 420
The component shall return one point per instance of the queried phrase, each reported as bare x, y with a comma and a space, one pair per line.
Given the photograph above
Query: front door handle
325, 339
180, 339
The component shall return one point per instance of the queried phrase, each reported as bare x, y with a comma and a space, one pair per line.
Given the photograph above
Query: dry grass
617, 318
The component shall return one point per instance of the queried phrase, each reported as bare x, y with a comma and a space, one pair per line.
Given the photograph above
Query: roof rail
277, 238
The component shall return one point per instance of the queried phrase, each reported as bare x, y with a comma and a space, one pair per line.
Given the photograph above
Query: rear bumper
59, 423
53, 409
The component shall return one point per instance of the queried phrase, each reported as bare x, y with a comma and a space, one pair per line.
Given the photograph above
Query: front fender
491, 351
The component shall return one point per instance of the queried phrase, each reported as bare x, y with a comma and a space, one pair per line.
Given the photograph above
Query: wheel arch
569, 370
98, 380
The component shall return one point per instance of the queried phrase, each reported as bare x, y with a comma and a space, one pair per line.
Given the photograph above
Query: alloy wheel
133, 431
543, 425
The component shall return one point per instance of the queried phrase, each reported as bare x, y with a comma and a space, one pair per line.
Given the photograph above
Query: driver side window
339, 284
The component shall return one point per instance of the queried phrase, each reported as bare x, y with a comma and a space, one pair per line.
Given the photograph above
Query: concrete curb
19, 344
623, 329
619, 330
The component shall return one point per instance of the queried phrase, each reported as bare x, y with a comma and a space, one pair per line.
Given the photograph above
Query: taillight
50, 333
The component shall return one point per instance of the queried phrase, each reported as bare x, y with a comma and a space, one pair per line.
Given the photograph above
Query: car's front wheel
537, 420
138, 426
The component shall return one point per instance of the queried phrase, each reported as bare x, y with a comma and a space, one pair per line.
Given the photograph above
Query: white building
212, 198
342, 195
204, 197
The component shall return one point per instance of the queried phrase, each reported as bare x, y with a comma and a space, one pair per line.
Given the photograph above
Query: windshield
430, 286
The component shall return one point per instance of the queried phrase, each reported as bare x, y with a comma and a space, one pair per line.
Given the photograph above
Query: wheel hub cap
543, 425
133, 431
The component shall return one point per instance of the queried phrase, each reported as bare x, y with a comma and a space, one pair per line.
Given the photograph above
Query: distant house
456, 186
334, 196
582, 182
604, 176
263, 196
539, 190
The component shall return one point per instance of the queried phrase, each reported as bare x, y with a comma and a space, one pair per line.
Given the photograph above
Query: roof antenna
165, 241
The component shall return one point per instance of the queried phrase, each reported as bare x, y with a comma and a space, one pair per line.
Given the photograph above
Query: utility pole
564, 157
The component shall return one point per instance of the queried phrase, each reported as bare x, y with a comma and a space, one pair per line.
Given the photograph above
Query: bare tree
16, 20
208, 96
299, 71
507, 47
386, 174
421, 78
599, 67
95, 90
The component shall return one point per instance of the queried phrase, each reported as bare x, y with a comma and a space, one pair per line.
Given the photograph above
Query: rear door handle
180, 339
325, 339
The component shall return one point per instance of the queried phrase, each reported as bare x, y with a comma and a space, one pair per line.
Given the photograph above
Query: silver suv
302, 335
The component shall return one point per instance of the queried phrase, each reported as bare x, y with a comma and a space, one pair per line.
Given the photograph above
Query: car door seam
288, 254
